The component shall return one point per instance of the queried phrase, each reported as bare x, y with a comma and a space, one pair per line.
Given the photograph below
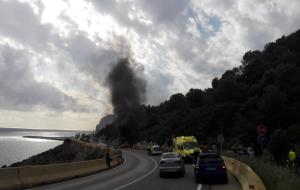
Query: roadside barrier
248, 179
29, 176
9, 178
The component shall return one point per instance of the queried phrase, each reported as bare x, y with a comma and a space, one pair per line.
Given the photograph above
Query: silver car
171, 162
155, 150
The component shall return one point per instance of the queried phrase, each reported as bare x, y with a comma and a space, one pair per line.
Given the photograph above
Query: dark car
210, 168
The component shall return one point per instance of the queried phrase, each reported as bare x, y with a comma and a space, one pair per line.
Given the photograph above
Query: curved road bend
138, 172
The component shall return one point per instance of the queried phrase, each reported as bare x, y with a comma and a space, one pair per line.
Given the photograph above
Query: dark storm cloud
20, 91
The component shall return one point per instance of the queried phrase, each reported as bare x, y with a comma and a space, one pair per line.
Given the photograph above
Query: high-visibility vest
292, 156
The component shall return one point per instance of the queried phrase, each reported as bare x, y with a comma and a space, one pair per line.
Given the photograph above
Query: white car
155, 150
171, 162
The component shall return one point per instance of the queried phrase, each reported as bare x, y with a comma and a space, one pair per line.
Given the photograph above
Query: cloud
63, 50
251, 24
90, 58
167, 11
18, 21
190, 41
20, 91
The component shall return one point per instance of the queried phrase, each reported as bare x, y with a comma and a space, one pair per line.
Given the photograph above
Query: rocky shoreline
70, 151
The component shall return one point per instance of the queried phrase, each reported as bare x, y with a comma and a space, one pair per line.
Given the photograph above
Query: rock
106, 120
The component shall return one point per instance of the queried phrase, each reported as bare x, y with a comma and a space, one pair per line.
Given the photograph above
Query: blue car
210, 168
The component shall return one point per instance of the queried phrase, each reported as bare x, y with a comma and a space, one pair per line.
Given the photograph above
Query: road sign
261, 130
220, 139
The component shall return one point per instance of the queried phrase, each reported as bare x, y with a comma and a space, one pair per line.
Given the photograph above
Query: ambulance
187, 147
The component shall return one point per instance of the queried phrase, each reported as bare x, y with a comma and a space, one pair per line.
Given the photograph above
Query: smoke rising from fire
127, 94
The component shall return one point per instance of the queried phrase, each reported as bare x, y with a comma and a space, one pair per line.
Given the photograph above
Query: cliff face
106, 120
69, 151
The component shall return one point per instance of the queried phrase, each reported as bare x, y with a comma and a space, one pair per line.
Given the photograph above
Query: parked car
210, 168
155, 150
239, 149
171, 162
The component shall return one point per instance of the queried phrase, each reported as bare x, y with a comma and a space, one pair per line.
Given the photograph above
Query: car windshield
190, 145
170, 155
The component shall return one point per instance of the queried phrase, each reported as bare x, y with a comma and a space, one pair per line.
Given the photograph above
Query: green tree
294, 133
195, 97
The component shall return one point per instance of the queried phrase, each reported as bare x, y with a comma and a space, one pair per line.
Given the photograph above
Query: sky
55, 55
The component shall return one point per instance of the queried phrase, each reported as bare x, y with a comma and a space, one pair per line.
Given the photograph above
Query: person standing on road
250, 152
292, 157
149, 148
108, 158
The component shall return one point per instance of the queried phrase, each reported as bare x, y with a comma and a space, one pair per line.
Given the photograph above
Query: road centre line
140, 178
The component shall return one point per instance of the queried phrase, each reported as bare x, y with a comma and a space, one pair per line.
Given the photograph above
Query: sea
14, 147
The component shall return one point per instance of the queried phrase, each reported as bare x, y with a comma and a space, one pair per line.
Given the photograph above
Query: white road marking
140, 178
199, 187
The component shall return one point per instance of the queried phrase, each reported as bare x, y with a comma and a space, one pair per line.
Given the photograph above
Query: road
139, 171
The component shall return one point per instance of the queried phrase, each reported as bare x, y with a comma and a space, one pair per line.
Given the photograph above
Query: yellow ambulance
187, 147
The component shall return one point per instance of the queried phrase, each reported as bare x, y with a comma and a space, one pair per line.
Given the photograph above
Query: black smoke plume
127, 94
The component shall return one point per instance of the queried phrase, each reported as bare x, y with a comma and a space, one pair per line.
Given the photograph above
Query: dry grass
274, 177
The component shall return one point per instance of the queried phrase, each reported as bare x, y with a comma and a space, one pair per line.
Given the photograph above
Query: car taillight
223, 167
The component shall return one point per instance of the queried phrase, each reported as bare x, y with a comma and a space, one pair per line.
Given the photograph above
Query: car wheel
225, 181
197, 180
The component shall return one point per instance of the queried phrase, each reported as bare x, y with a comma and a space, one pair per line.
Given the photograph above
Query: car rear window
210, 160
170, 156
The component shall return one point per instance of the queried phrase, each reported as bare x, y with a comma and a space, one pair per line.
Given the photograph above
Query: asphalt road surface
138, 172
